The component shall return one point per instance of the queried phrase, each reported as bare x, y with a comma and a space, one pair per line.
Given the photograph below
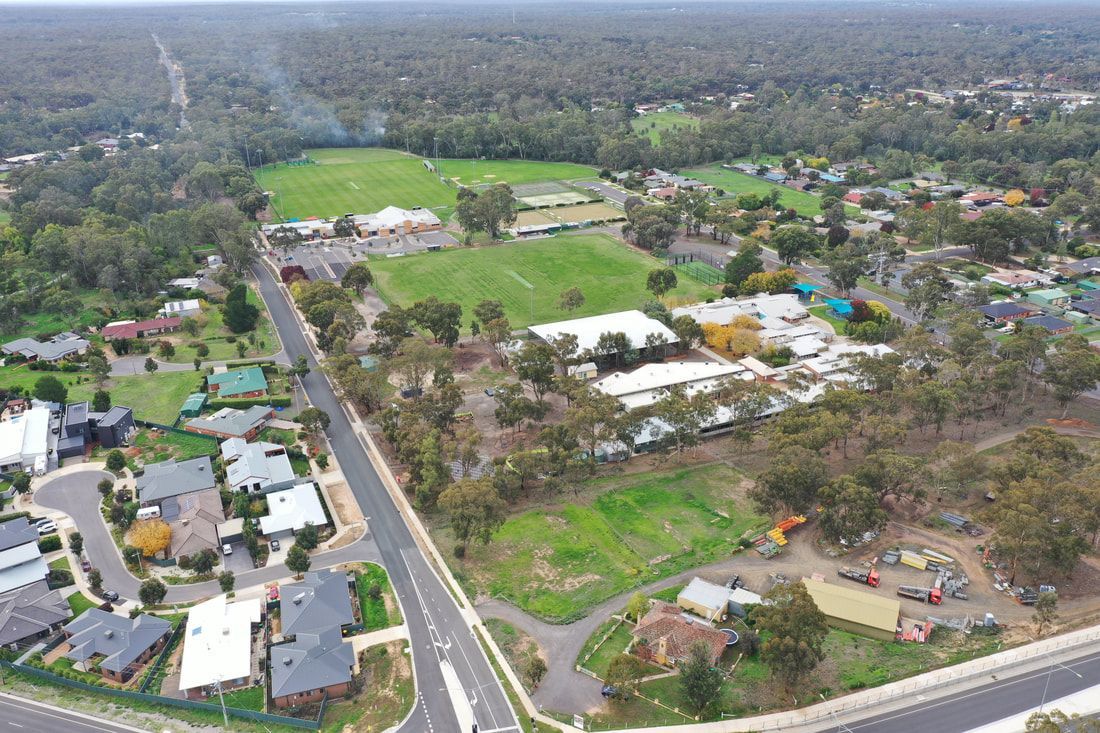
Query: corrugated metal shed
854, 610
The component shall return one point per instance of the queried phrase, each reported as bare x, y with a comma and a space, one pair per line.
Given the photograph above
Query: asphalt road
985, 704
20, 715
440, 637
76, 495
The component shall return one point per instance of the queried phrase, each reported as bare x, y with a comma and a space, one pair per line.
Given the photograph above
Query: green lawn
611, 275
556, 563
615, 645
61, 563
80, 603
384, 701
91, 302
216, 336
375, 615
852, 662
655, 123
157, 447
732, 182
822, 312
5, 217
250, 698
156, 397
364, 180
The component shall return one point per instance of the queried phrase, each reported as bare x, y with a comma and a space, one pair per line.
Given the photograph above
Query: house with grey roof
322, 600
255, 467
170, 478
31, 612
59, 347
194, 520
115, 645
311, 667
21, 561
229, 422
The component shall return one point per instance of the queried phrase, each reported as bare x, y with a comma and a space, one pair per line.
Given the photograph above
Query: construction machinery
924, 595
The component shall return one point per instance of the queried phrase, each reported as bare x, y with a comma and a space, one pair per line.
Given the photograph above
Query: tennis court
539, 189
587, 212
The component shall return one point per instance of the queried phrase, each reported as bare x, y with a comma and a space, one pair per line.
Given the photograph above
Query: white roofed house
775, 312
393, 220
218, 647
292, 509
182, 308
256, 467
640, 331
28, 608
24, 441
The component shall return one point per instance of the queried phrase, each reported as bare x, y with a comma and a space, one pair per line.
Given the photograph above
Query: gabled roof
1050, 323
133, 330
118, 639
196, 522
263, 463
30, 610
231, 421
55, 348
635, 324
169, 478
1003, 309
310, 662
240, 381
665, 623
15, 532
321, 601
293, 509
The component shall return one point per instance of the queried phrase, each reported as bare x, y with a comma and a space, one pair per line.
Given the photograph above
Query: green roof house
1049, 297
194, 404
249, 382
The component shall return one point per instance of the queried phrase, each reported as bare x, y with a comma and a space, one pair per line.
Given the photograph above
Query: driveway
239, 561
75, 494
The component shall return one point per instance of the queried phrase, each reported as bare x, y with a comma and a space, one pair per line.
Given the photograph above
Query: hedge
13, 515
49, 543
242, 402
249, 362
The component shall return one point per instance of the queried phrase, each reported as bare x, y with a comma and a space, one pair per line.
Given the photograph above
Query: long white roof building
217, 645
636, 325
650, 383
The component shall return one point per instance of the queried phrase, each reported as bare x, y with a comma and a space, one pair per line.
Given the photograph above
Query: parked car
227, 549
110, 595
86, 565
490, 392
46, 526
609, 691
274, 545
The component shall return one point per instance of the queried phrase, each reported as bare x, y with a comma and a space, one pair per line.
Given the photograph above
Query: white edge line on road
70, 716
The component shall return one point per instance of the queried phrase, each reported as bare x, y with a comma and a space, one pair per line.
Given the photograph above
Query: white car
1007, 329
46, 526
227, 549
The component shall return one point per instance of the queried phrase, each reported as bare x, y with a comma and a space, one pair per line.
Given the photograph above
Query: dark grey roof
320, 601
169, 478
16, 532
1084, 266
310, 662
115, 414
1050, 323
118, 639
1086, 306
234, 422
76, 413
1000, 310
30, 610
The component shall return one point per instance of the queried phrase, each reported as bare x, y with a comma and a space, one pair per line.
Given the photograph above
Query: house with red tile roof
138, 329
670, 635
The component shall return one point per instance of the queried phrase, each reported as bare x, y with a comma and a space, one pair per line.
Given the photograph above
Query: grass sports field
558, 562
611, 275
364, 180
733, 182
653, 124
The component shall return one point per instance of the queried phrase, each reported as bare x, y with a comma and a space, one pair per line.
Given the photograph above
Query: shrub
49, 543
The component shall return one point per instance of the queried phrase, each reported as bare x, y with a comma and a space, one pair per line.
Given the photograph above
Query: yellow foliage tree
1015, 197
743, 341
151, 536
746, 322
732, 338
716, 335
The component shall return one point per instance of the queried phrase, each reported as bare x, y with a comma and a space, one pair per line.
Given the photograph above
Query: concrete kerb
55, 710
419, 531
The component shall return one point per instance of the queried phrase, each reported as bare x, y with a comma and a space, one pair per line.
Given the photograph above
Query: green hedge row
242, 402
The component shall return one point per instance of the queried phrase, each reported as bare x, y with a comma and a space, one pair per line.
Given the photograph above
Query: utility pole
221, 698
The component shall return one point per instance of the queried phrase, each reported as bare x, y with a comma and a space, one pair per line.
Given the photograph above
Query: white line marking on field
522, 282
352, 184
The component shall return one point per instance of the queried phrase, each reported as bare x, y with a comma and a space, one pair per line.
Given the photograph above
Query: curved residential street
76, 495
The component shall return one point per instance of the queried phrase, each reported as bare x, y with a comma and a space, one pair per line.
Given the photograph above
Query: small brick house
118, 646
239, 383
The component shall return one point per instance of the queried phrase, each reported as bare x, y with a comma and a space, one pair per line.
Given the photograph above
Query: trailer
924, 595
859, 575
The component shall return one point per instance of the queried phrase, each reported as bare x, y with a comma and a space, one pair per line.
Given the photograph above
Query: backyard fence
169, 646
305, 724
179, 431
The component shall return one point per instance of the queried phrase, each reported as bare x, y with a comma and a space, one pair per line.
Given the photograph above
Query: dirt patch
350, 535
343, 502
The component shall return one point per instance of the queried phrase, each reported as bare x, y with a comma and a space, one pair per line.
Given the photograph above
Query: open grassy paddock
610, 274
364, 180
732, 182
558, 562
655, 123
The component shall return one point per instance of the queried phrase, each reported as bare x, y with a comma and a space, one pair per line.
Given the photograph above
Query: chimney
298, 598
109, 633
